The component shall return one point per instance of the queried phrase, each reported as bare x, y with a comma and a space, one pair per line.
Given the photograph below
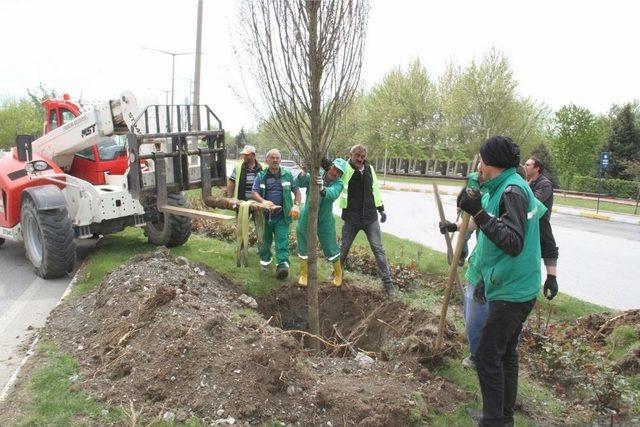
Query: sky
563, 51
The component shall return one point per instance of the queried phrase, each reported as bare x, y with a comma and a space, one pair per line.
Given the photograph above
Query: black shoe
282, 272
389, 289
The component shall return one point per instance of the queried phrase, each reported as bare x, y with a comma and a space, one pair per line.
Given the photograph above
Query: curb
626, 219
14, 377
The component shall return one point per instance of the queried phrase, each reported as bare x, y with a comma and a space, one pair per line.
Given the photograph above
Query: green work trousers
326, 236
275, 230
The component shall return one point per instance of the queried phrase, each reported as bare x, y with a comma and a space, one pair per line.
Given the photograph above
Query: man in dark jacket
361, 203
244, 173
508, 248
542, 188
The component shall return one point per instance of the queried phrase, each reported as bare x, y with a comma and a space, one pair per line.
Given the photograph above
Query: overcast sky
585, 52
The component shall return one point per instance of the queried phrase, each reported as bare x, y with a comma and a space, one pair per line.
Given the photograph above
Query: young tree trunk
315, 73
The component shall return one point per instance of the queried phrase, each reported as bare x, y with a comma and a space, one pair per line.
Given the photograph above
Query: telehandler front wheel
170, 230
48, 240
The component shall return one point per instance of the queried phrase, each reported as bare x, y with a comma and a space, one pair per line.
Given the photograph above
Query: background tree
577, 136
624, 141
23, 116
305, 59
482, 99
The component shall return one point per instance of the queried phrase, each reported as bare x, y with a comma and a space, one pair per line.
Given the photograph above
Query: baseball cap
248, 149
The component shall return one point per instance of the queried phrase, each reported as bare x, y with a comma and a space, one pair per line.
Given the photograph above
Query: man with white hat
244, 174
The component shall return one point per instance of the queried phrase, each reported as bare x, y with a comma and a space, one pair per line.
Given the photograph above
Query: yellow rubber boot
302, 280
337, 274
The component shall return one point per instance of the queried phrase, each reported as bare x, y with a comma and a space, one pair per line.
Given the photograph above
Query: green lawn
606, 206
421, 180
54, 402
558, 199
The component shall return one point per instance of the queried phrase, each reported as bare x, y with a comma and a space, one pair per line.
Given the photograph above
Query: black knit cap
500, 151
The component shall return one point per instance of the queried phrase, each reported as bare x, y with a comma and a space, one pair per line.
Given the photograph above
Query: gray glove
320, 182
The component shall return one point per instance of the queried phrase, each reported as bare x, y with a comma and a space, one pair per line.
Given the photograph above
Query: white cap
248, 149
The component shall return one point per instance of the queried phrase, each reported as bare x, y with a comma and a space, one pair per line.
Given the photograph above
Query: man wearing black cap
508, 216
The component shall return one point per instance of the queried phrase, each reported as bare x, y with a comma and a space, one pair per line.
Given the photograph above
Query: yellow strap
242, 234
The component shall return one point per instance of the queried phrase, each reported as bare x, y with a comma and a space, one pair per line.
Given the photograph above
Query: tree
305, 59
402, 113
18, 117
623, 142
481, 99
542, 153
577, 135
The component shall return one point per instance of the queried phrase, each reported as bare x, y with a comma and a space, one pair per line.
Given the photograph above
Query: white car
292, 167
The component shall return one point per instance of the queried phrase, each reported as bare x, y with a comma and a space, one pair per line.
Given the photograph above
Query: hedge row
612, 187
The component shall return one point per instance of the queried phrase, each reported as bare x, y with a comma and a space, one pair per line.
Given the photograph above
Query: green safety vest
238, 170
509, 278
346, 177
285, 178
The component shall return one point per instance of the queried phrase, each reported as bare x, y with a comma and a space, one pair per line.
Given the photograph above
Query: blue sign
605, 159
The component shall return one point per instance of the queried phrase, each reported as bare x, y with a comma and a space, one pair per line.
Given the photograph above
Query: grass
422, 180
52, 403
621, 340
606, 206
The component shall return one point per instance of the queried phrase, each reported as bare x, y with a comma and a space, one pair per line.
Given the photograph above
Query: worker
244, 173
542, 188
330, 188
361, 203
475, 310
275, 186
508, 260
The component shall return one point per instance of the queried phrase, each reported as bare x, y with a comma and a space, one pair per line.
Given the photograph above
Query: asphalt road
599, 260
25, 303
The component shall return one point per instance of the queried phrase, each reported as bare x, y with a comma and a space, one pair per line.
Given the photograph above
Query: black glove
447, 227
478, 294
383, 216
471, 201
550, 288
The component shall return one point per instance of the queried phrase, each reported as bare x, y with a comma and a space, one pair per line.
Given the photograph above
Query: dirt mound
173, 339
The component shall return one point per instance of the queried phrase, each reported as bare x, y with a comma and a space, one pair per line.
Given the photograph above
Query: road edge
6, 390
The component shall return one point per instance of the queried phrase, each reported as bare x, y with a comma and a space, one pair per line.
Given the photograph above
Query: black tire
170, 230
48, 240
1, 241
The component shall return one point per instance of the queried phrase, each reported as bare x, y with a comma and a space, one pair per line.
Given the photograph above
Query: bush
613, 187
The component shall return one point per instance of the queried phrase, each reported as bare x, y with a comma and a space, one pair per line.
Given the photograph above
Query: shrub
613, 187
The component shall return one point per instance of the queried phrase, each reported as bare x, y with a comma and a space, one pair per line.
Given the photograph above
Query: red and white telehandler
101, 168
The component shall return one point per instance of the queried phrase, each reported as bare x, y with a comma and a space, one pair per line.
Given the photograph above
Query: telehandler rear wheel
48, 240
170, 230
1, 241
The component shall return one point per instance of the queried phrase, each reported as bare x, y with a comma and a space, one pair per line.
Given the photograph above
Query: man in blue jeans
361, 203
507, 256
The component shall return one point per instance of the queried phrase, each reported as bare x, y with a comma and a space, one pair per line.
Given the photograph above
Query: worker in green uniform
330, 189
275, 186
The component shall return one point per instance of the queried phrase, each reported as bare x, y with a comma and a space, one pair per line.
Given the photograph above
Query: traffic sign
605, 159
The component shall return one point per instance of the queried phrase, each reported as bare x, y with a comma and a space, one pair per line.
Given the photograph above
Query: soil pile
175, 340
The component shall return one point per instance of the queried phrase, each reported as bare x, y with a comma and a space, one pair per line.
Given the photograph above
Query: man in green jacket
275, 186
330, 188
508, 261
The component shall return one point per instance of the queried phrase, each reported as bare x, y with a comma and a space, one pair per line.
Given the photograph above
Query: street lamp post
173, 72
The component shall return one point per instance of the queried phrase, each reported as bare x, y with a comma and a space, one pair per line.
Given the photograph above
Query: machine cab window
53, 119
66, 115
